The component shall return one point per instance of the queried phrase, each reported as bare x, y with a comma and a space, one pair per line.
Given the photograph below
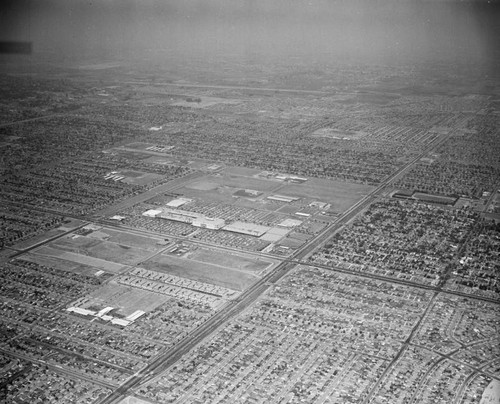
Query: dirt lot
341, 195
96, 248
202, 272
228, 260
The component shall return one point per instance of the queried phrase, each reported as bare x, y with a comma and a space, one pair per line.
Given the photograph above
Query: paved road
39, 118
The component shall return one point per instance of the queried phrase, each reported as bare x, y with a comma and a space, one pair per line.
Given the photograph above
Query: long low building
282, 198
192, 218
247, 228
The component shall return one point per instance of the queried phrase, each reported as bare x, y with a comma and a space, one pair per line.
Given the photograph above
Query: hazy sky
387, 30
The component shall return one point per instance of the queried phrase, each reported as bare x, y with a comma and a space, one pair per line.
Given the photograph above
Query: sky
387, 31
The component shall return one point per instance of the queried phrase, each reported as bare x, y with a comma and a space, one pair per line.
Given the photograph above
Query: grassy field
243, 182
214, 195
138, 178
213, 188
159, 160
228, 260
105, 250
97, 263
130, 239
62, 264
118, 253
341, 195
258, 204
201, 272
242, 171
205, 184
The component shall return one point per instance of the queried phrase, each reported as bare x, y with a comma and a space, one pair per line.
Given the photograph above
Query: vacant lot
125, 299
205, 184
62, 264
244, 182
231, 261
215, 275
131, 239
232, 180
98, 264
341, 195
104, 250
138, 178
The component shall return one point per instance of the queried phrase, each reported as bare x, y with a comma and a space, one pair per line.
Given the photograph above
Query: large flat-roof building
192, 218
251, 229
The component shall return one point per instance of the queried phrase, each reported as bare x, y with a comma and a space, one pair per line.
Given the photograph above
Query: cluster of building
41, 385
133, 217
323, 337
164, 287
34, 325
104, 315
171, 321
42, 286
476, 272
465, 164
451, 178
19, 223
81, 185
404, 239
231, 239
300, 159
183, 282
42, 346
317, 337
224, 211
230, 225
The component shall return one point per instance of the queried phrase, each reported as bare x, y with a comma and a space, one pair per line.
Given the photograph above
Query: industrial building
247, 228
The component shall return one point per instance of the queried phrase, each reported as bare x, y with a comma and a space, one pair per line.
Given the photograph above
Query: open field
212, 195
63, 264
96, 248
232, 180
138, 178
242, 171
261, 204
201, 272
98, 263
130, 239
228, 260
126, 299
163, 160
243, 182
341, 195
205, 184
203, 102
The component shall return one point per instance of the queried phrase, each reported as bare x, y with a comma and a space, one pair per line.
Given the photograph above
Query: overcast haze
388, 31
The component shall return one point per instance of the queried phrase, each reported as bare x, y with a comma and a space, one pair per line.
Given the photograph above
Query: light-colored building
175, 203
282, 198
151, 213
251, 229
209, 223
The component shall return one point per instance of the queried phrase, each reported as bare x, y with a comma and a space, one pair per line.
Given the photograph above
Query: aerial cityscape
216, 202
